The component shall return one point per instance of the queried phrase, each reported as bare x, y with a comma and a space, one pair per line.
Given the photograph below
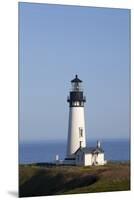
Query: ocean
33, 152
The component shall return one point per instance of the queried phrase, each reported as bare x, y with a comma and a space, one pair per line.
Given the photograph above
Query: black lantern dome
76, 79
76, 98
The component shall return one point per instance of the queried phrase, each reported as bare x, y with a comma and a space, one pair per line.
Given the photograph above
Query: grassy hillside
42, 180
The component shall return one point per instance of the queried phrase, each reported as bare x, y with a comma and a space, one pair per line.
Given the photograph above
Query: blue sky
55, 43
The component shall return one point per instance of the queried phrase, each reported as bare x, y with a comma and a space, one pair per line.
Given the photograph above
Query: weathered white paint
100, 159
76, 121
89, 159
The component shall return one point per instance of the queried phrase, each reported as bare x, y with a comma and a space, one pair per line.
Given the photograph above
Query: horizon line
63, 139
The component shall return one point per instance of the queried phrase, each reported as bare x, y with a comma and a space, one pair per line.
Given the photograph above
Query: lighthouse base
87, 156
69, 161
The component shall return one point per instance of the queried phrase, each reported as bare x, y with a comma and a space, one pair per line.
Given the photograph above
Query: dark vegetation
44, 179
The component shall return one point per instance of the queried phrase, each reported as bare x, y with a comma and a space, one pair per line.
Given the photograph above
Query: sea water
45, 151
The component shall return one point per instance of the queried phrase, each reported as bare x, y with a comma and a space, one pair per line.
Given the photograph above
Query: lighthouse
76, 126
77, 151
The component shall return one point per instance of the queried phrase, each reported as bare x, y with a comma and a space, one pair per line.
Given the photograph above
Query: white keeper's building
77, 151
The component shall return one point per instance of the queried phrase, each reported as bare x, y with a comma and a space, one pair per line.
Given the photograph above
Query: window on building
80, 132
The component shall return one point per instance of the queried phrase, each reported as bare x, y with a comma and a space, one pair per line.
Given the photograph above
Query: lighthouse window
80, 132
82, 104
76, 103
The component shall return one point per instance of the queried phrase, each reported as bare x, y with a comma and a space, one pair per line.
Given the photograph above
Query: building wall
83, 159
88, 159
76, 121
80, 158
100, 159
69, 162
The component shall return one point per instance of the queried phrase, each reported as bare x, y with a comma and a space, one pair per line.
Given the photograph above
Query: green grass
37, 181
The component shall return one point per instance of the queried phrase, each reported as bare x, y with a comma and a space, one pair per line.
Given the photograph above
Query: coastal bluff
41, 179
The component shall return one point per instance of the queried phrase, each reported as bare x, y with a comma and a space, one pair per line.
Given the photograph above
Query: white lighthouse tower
76, 127
77, 152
